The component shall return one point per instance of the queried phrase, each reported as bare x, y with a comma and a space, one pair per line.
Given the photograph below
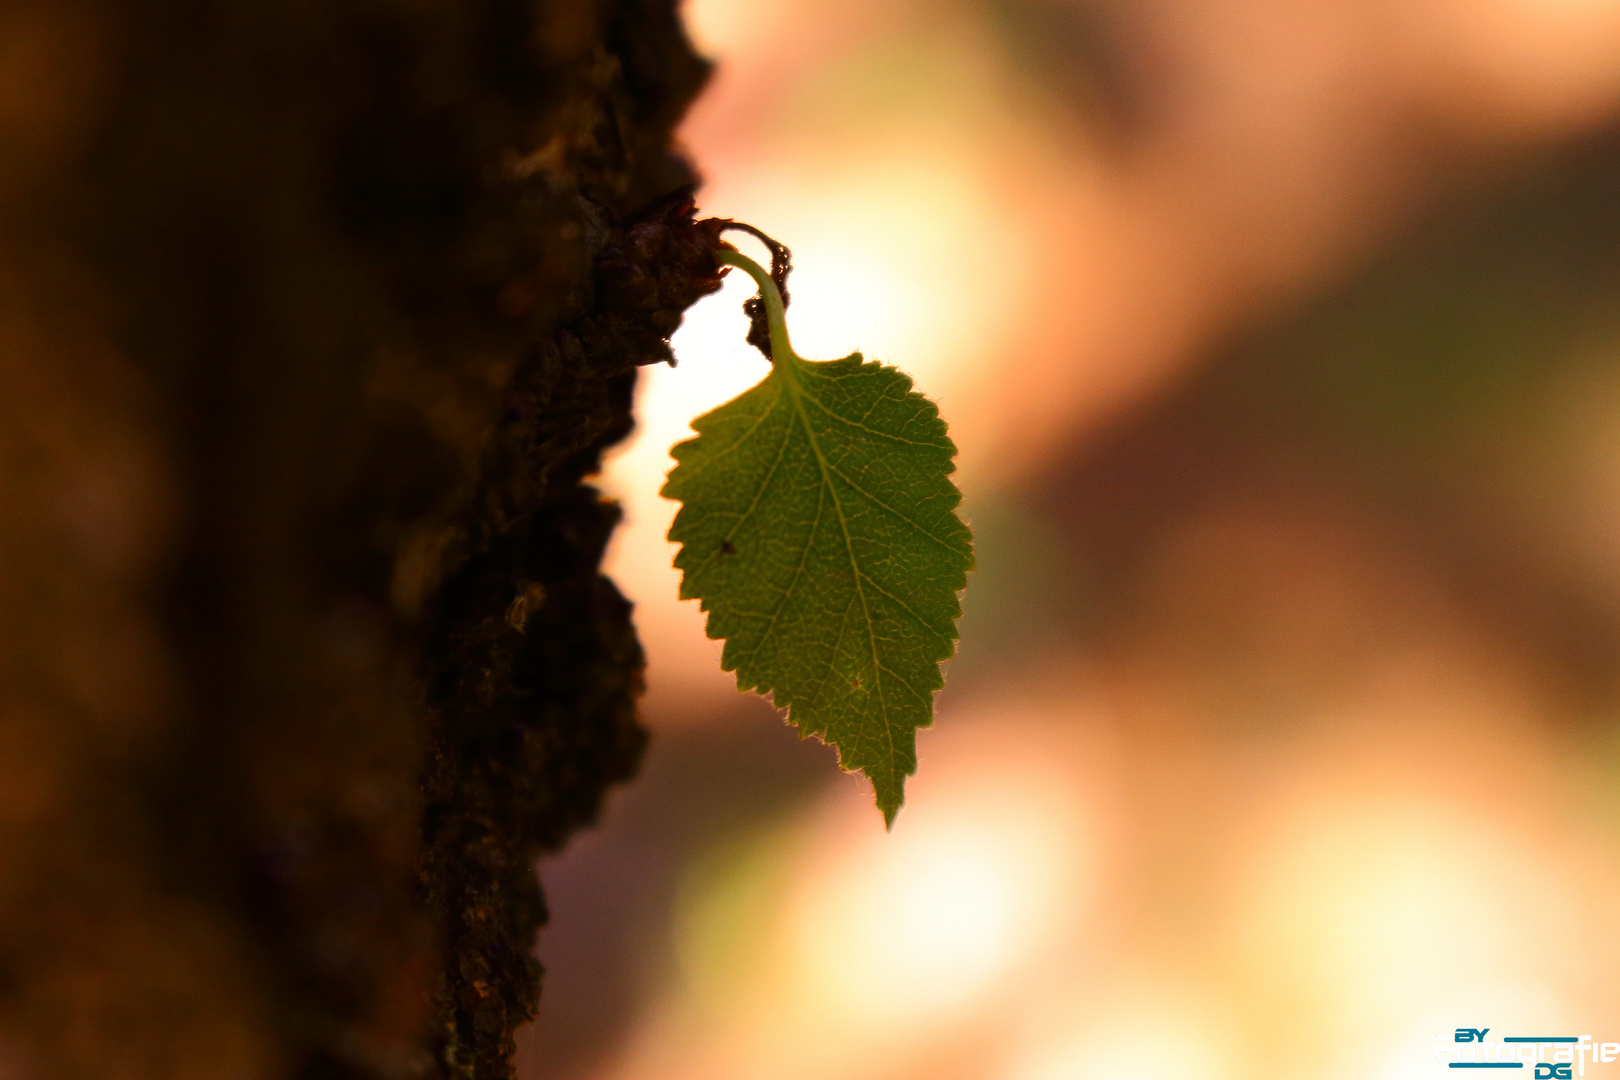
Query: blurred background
1281, 340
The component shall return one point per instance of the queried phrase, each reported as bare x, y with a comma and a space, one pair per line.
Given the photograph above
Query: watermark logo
1552, 1057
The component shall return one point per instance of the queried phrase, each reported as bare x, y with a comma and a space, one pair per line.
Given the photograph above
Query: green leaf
819, 530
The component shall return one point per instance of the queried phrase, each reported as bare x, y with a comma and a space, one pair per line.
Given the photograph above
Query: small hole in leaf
726, 548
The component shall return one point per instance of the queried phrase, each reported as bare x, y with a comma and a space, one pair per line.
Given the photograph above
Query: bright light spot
1137, 1033
905, 257
843, 301
922, 930
1382, 909
731, 27
900, 931
827, 948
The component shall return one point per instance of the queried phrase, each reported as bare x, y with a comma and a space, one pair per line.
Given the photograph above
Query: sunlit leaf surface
819, 530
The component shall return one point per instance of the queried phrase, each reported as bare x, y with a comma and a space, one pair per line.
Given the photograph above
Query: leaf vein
787, 595
859, 425
854, 564
693, 469
885, 506
781, 452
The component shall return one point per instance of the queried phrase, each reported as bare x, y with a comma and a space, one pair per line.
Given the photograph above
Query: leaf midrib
795, 394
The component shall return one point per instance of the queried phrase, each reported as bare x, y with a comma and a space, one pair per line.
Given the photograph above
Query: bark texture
313, 317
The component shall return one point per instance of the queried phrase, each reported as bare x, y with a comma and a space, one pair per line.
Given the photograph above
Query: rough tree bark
313, 316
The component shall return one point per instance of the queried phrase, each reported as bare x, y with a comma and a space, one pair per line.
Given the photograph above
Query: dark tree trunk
313, 316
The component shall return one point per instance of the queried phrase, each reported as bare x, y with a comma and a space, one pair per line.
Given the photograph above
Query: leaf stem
775, 315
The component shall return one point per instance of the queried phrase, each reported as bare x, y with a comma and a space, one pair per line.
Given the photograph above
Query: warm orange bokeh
1299, 810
